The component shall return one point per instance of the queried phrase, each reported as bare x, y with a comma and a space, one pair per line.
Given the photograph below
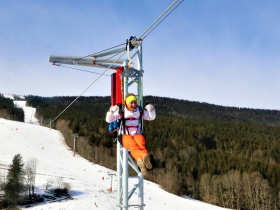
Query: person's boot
147, 161
142, 166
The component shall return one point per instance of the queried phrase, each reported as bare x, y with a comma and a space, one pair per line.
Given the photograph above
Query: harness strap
131, 126
123, 120
132, 118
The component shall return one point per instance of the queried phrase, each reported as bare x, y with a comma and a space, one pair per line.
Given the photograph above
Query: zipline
140, 41
100, 64
163, 19
101, 51
81, 70
119, 89
87, 88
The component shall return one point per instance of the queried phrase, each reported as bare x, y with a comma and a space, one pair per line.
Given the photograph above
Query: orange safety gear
136, 145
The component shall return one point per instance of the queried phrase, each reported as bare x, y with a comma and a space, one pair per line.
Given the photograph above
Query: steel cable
80, 70
159, 18
163, 18
99, 52
88, 87
117, 54
90, 71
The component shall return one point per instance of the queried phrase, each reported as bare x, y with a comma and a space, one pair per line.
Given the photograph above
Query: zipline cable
120, 52
164, 18
141, 35
109, 58
88, 87
99, 52
159, 18
80, 70
125, 43
60, 65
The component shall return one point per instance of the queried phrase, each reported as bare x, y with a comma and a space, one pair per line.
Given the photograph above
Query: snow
29, 112
10, 96
88, 189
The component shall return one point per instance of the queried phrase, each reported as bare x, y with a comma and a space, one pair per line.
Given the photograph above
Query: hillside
7, 109
190, 143
55, 161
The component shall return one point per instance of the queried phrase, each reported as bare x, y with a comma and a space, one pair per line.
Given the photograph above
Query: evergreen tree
15, 180
185, 141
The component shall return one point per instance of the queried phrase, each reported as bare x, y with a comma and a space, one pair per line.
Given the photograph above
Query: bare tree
257, 190
205, 181
231, 190
59, 181
30, 172
191, 186
1, 180
232, 184
66, 185
48, 185
27, 171
221, 191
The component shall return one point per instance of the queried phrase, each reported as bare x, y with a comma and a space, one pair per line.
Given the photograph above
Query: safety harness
122, 120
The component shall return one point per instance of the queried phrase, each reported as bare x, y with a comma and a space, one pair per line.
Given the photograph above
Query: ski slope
29, 112
88, 189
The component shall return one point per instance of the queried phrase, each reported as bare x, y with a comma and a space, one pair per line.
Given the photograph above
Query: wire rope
109, 58
99, 52
125, 43
159, 18
164, 18
90, 71
88, 87
80, 70
118, 53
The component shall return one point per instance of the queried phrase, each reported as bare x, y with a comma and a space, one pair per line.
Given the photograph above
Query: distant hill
191, 144
198, 110
172, 107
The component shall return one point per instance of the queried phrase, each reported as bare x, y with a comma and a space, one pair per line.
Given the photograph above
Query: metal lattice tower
123, 158
124, 71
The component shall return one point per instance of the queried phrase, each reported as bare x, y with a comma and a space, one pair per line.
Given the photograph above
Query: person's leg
135, 151
140, 140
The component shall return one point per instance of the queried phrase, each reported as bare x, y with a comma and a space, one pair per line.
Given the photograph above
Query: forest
217, 154
8, 111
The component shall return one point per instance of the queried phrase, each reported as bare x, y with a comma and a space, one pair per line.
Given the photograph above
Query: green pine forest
217, 154
7, 110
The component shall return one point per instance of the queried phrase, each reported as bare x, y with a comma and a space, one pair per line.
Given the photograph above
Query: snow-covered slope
29, 112
88, 189
10, 96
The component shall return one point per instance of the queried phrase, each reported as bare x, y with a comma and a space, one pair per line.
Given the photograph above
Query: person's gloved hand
150, 108
113, 109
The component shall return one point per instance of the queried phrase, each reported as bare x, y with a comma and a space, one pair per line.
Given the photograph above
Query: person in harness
130, 128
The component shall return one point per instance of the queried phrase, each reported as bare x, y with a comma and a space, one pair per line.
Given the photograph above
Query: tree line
19, 182
18, 185
13, 113
187, 142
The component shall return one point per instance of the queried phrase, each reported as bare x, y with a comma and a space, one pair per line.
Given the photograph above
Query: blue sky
221, 52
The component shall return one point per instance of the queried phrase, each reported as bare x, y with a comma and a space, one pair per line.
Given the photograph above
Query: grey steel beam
76, 59
89, 62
